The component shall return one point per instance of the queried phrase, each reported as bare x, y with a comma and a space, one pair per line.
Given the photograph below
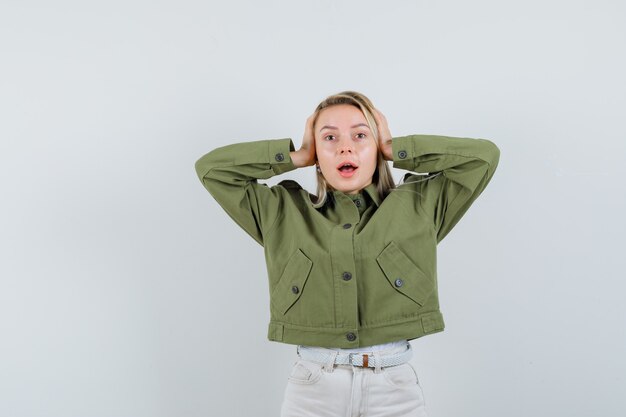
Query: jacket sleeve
230, 174
465, 167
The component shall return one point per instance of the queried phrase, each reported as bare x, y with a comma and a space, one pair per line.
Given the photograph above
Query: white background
127, 291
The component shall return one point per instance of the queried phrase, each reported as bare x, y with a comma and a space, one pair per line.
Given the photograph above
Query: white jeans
324, 390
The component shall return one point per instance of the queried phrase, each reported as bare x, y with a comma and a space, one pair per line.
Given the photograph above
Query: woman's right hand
306, 156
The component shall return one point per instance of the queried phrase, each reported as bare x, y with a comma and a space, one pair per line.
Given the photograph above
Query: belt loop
329, 366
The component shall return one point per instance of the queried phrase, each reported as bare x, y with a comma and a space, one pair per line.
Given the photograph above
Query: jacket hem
422, 325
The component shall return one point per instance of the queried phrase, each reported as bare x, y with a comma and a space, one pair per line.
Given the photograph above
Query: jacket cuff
403, 152
279, 157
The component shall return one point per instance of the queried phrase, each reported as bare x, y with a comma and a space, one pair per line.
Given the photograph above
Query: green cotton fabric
362, 269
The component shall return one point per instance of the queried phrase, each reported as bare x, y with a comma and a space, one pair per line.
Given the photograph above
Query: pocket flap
403, 274
291, 283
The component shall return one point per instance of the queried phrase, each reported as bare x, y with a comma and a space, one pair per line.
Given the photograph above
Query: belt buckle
364, 363
350, 357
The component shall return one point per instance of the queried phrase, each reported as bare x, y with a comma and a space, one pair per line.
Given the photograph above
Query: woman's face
342, 135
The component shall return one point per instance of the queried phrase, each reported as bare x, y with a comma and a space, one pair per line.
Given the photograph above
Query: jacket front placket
342, 252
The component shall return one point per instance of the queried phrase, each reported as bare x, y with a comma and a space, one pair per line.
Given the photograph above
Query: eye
329, 136
363, 135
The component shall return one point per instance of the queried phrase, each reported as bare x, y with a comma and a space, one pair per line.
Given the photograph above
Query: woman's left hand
384, 135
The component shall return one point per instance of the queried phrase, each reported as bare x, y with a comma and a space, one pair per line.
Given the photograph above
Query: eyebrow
333, 127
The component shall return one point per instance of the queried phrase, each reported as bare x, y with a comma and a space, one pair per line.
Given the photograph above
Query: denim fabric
348, 275
329, 390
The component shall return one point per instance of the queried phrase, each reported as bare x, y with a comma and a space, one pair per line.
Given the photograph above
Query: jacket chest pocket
404, 275
291, 283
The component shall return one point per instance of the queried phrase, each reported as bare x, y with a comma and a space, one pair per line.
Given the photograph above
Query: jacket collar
373, 193
370, 190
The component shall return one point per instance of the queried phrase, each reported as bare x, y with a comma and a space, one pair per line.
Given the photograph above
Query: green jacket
360, 270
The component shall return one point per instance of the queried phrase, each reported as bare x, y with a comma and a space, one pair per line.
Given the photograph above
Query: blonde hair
382, 175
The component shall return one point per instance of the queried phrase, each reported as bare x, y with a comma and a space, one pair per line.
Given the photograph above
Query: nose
345, 147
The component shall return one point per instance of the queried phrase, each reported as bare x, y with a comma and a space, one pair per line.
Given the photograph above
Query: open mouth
347, 169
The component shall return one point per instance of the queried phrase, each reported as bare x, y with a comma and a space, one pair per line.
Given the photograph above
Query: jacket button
347, 276
358, 203
351, 337
402, 154
279, 156
399, 282
347, 226
294, 289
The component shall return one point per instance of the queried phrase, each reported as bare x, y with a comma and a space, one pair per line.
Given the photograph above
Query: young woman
352, 270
